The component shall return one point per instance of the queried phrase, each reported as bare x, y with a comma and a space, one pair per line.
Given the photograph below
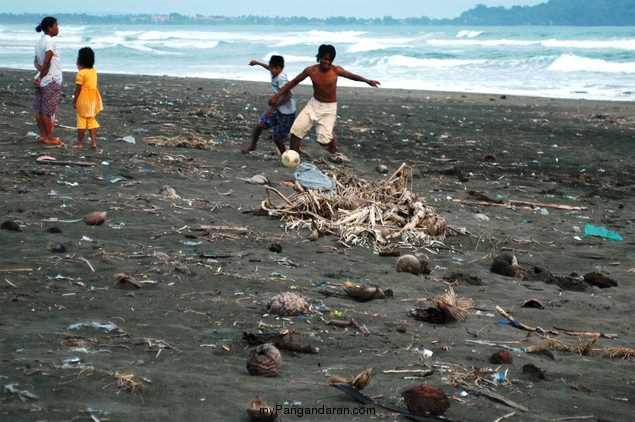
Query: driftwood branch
420, 372
16, 270
347, 323
522, 326
219, 228
520, 203
587, 333
223, 255
492, 396
88, 263
68, 163
279, 193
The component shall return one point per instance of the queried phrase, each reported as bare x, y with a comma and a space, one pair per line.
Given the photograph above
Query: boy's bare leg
93, 138
80, 137
254, 140
279, 144
294, 143
332, 146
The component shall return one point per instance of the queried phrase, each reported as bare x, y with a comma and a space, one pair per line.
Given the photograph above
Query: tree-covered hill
556, 12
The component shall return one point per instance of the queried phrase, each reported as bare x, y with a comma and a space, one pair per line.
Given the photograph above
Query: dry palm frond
158, 345
622, 352
581, 349
205, 112
360, 212
191, 141
80, 342
127, 382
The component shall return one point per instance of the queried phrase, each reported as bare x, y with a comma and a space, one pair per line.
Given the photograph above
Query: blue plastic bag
591, 230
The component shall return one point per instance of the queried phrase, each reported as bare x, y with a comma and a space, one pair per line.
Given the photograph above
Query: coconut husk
11, 226
95, 218
126, 282
376, 213
449, 307
259, 411
359, 382
288, 304
506, 264
365, 293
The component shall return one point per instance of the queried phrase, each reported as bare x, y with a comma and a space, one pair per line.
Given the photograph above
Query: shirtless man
321, 110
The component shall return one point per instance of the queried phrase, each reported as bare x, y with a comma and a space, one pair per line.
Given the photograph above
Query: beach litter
108, 326
24, 395
591, 230
310, 177
128, 139
382, 214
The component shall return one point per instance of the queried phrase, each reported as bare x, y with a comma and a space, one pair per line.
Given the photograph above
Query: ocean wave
289, 58
566, 62
468, 34
315, 37
71, 29
623, 44
375, 44
181, 44
572, 63
484, 43
413, 62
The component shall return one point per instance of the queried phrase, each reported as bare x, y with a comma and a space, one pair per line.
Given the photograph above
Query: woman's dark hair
46, 23
276, 61
86, 57
324, 50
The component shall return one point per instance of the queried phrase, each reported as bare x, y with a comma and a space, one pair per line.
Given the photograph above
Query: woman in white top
48, 81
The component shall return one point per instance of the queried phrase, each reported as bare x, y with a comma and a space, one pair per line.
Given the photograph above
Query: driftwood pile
378, 213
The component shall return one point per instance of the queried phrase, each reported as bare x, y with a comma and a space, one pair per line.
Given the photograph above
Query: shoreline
520, 175
69, 75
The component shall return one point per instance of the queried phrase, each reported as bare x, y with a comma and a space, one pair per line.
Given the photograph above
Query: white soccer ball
290, 158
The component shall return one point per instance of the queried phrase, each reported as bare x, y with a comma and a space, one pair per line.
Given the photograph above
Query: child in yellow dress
87, 101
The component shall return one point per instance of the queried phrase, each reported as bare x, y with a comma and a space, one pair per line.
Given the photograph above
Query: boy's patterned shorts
46, 98
281, 124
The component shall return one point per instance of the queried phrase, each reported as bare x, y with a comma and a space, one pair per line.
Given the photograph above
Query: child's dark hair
46, 23
86, 57
276, 61
326, 49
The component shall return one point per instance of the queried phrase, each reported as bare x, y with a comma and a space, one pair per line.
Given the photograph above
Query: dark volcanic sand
180, 337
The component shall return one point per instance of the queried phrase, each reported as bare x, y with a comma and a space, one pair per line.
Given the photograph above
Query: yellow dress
88, 103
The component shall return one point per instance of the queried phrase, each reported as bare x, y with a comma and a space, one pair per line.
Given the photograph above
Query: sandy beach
510, 175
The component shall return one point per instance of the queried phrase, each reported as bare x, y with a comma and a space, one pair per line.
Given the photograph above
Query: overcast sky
436, 9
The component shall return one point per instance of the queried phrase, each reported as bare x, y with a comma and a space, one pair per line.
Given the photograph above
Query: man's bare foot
79, 146
332, 146
248, 149
93, 146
